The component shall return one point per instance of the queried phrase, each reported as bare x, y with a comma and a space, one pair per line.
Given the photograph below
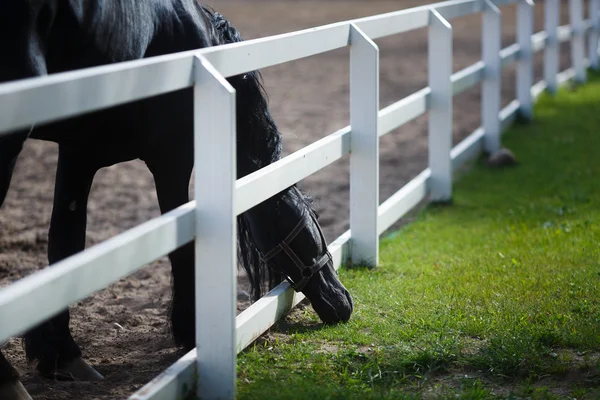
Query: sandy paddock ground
309, 99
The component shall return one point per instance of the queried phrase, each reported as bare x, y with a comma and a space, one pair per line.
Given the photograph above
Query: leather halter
307, 271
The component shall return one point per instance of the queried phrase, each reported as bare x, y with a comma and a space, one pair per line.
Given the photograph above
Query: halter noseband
307, 271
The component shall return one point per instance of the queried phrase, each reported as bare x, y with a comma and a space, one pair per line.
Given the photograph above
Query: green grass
495, 296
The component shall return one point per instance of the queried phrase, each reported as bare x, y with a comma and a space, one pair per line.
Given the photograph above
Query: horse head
287, 233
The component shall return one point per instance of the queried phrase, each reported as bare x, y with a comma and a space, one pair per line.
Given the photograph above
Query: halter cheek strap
307, 271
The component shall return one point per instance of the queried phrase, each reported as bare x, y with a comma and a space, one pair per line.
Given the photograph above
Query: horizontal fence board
44, 293
538, 41
403, 201
34, 100
178, 380
255, 320
242, 57
175, 382
469, 148
403, 111
468, 77
255, 188
393, 23
564, 33
508, 114
31, 101
418, 17
510, 54
270, 180
538, 88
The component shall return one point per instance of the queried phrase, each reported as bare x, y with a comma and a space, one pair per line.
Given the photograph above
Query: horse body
55, 36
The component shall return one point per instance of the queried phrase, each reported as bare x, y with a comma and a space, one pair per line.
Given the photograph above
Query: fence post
215, 152
594, 33
440, 110
551, 16
577, 40
364, 145
525, 62
490, 107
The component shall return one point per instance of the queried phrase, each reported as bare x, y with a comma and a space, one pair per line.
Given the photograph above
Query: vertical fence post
594, 10
490, 107
364, 145
577, 40
440, 55
551, 17
215, 175
525, 62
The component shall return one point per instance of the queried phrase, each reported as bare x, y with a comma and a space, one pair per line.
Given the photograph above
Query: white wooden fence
210, 220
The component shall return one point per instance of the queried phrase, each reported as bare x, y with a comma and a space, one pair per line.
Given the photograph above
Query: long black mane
260, 138
262, 145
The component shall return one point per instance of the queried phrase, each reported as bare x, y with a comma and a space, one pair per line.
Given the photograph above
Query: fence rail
211, 220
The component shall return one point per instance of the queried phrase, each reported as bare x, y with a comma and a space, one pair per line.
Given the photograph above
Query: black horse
38, 37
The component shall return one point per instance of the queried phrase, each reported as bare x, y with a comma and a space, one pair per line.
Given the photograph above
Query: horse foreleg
51, 342
10, 147
172, 178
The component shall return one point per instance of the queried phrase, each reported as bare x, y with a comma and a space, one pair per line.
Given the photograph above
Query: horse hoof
14, 391
77, 370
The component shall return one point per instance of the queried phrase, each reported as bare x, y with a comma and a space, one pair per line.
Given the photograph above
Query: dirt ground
309, 100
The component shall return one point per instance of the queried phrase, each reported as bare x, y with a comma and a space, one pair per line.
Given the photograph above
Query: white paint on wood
364, 147
173, 383
34, 100
551, 53
254, 188
403, 111
490, 91
404, 200
525, 62
594, 11
38, 296
440, 113
179, 379
510, 54
538, 41
216, 261
467, 149
509, 114
29, 101
467, 77
255, 320
266, 182
577, 40
565, 33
